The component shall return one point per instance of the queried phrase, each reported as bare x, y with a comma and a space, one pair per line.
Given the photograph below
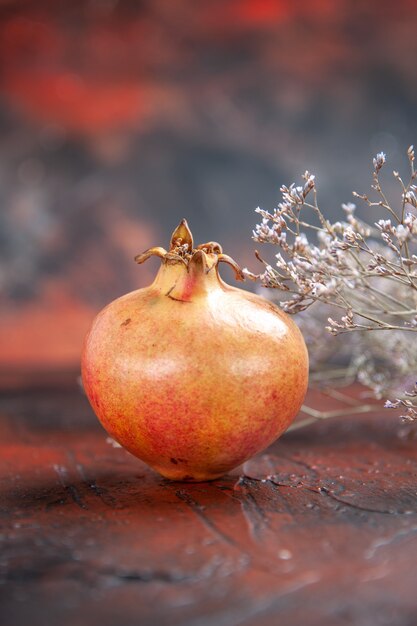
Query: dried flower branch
366, 272
410, 406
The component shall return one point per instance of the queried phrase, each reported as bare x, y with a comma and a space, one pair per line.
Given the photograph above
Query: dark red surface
321, 529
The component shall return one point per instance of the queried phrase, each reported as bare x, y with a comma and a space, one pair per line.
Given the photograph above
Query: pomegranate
191, 375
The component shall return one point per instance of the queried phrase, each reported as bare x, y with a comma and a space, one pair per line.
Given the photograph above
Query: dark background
119, 118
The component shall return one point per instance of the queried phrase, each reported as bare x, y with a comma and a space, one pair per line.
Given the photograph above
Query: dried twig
366, 272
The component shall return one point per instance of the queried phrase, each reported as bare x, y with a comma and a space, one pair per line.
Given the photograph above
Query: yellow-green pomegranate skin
194, 376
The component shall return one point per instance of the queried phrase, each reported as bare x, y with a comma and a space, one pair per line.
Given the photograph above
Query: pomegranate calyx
156, 251
225, 258
182, 237
201, 260
210, 247
206, 256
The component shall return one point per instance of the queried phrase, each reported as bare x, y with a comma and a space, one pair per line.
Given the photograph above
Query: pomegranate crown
181, 250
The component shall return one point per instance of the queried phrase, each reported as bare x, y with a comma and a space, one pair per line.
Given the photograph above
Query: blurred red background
118, 118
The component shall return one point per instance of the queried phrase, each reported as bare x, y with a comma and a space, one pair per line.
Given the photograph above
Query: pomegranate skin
194, 376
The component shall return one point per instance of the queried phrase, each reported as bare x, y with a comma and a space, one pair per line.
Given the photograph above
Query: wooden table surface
320, 529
